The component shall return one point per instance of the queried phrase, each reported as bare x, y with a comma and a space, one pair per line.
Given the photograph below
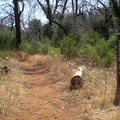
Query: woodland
75, 28
43, 43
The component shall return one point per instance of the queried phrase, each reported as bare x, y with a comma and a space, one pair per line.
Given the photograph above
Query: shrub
101, 47
112, 42
90, 38
5, 54
54, 51
34, 48
69, 47
111, 53
102, 52
26, 46
109, 58
6, 41
99, 50
92, 54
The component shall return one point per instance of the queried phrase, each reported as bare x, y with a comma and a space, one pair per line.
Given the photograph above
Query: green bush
34, 48
101, 47
6, 41
112, 42
5, 54
69, 46
109, 58
90, 38
54, 51
92, 54
102, 52
26, 46
99, 50
111, 53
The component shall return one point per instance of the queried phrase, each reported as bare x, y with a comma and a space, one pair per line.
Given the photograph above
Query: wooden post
117, 96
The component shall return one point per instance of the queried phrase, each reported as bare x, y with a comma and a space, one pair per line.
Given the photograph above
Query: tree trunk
115, 5
17, 24
49, 16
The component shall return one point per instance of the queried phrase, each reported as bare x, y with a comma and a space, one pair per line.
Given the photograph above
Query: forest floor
47, 97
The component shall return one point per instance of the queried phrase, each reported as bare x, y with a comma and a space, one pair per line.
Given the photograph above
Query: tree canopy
64, 17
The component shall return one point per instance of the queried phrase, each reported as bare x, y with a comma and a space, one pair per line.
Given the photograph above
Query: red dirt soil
48, 97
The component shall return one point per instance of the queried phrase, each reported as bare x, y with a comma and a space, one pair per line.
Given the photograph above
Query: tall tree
17, 13
14, 9
115, 5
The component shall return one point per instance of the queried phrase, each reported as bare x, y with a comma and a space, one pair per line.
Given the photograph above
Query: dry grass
11, 89
20, 56
96, 95
101, 84
54, 64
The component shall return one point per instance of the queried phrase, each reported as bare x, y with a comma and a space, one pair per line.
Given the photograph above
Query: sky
38, 13
28, 12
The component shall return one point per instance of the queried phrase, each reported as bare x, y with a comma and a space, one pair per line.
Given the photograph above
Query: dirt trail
47, 98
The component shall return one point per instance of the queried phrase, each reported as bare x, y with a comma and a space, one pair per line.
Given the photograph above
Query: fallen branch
77, 79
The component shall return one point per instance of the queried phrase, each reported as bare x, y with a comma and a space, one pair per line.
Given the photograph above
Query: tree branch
103, 5
42, 6
65, 31
116, 8
23, 5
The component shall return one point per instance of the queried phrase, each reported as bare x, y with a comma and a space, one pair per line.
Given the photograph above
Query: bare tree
14, 13
115, 5
104, 11
17, 13
76, 8
51, 10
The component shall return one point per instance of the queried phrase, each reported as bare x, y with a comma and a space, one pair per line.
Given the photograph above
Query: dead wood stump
77, 79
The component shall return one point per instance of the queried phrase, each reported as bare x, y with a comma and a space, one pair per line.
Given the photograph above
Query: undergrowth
11, 89
97, 94
94, 100
99, 50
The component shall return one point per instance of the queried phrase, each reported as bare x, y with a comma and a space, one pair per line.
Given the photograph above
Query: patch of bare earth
48, 97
